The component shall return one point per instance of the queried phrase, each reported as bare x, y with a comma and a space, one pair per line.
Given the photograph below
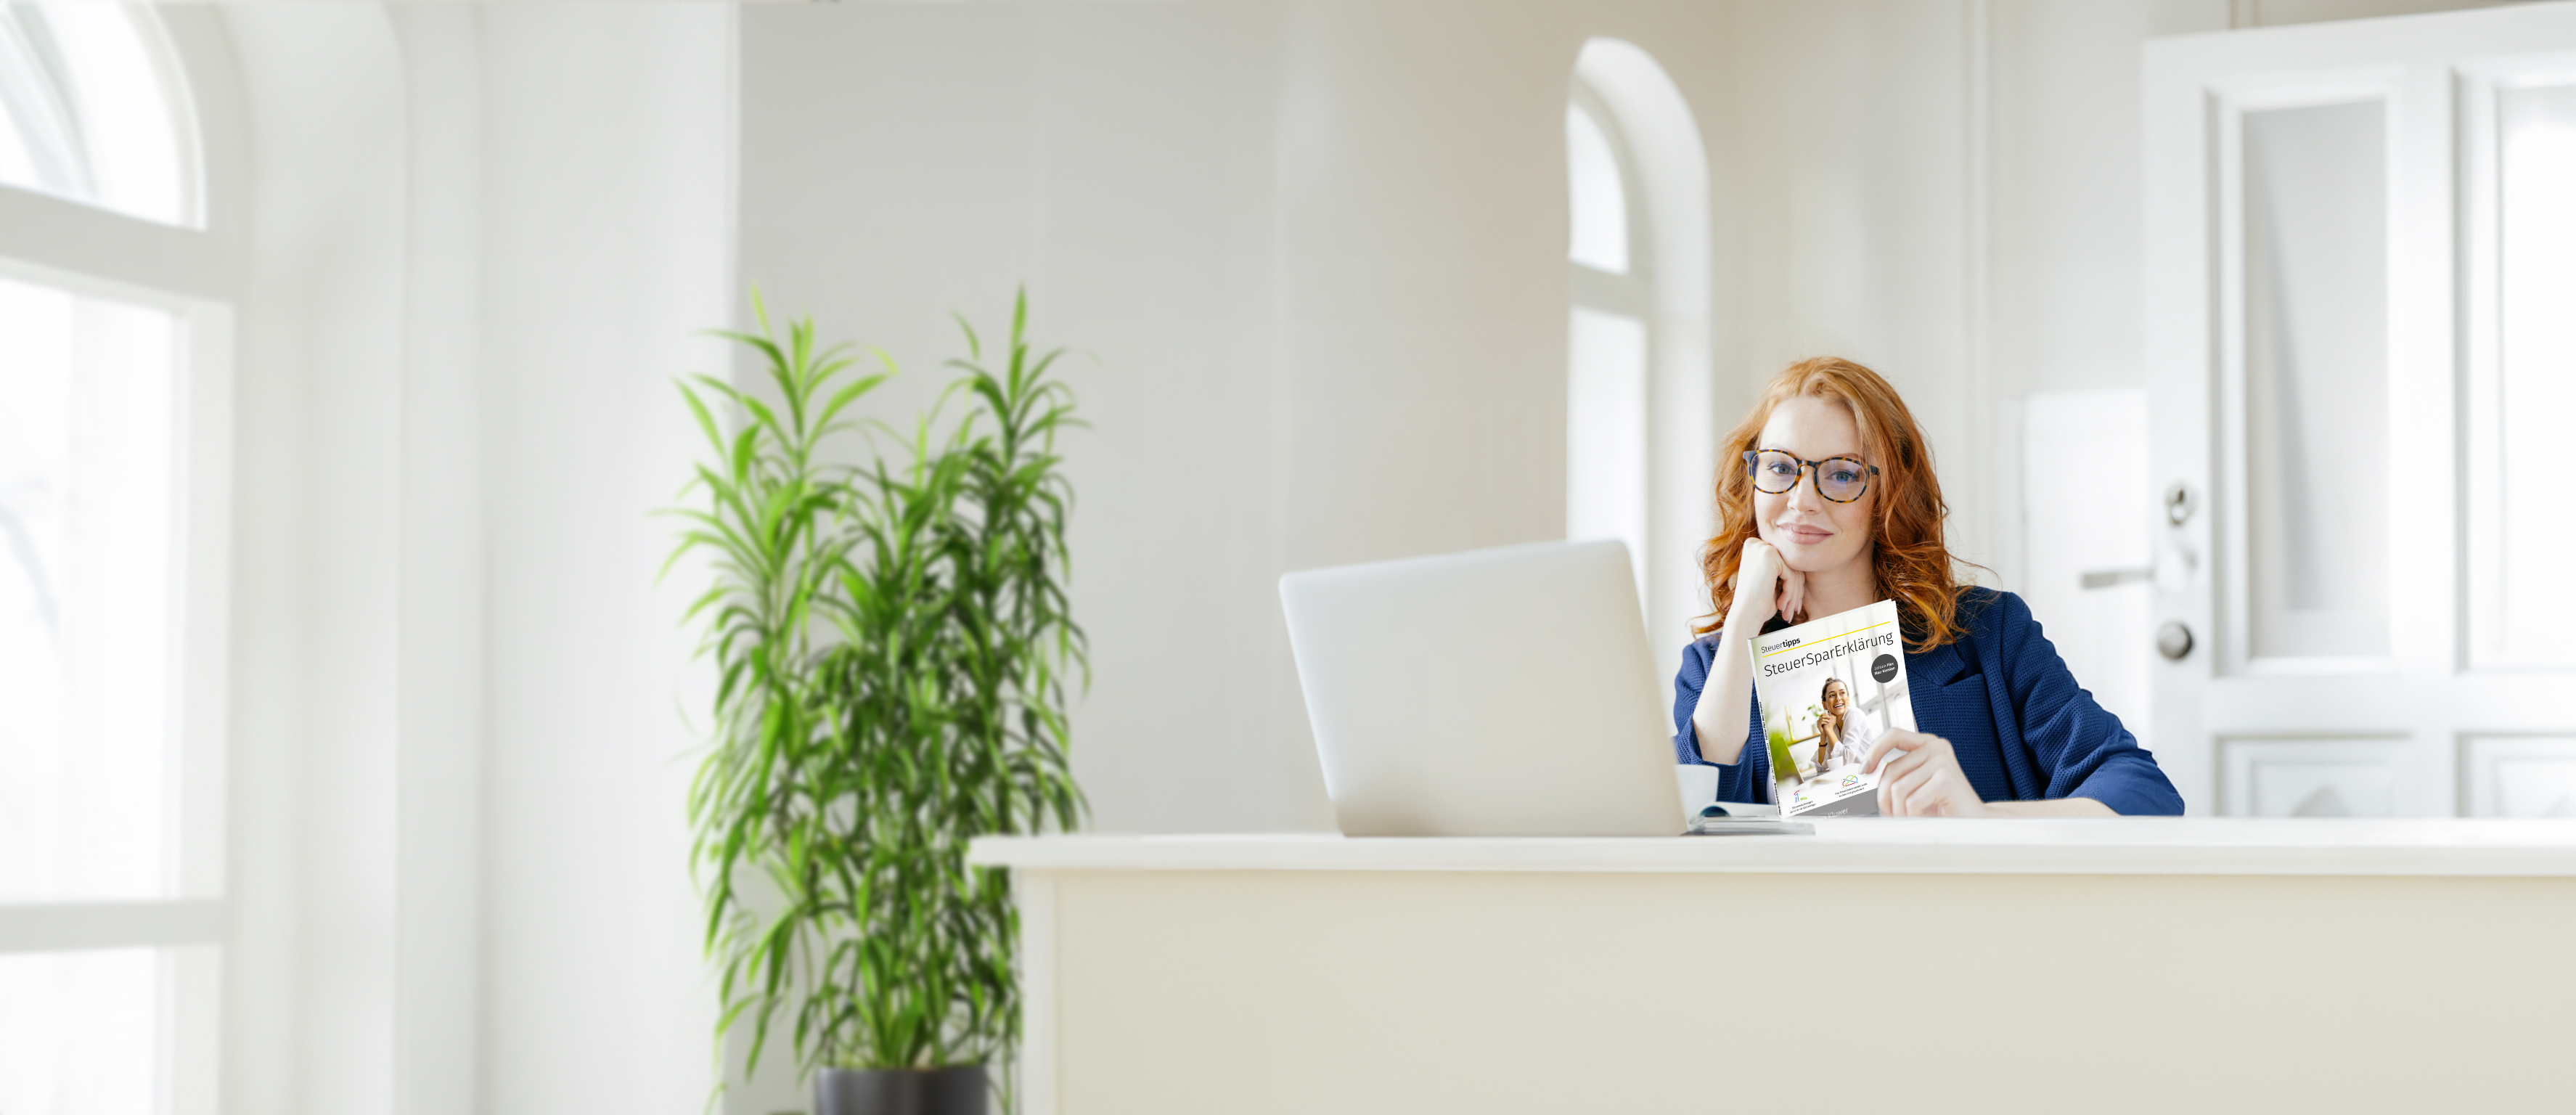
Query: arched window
92, 109
1607, 338
1637, 399
114, 448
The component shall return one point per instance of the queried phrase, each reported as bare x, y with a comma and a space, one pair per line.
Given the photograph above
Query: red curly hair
1912, 562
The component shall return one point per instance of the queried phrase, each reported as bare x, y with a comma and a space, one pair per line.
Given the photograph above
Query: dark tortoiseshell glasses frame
1753, 470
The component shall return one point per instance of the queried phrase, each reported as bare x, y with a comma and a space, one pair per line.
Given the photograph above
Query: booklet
1830, 689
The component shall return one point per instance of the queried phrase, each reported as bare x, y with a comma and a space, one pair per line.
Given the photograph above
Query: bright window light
91, 109
1600, 202
81, 1032
88, 598
1605, 432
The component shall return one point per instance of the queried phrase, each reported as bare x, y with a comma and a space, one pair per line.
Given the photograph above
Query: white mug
1699, 787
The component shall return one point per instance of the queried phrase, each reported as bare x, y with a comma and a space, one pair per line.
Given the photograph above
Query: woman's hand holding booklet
1919, 776
1834, 706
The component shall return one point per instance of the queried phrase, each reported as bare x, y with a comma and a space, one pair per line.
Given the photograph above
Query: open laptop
1505, 692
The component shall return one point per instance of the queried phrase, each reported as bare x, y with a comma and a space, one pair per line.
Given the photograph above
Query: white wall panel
902, 162
439, 711
606, 247
319, 383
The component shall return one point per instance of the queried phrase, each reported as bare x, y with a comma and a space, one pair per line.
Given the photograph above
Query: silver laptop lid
1504, 692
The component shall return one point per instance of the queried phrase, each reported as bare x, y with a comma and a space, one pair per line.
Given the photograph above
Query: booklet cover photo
1829, 690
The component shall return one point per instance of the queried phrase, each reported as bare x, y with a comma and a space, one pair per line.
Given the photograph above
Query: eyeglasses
1840, 479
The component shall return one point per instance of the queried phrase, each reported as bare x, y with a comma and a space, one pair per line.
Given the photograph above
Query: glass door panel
2533, 597
2316, 381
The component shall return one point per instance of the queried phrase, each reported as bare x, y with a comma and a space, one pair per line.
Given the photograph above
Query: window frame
163, 55
1628, 295
195, 271
1631, 294
188, 923
1664, 172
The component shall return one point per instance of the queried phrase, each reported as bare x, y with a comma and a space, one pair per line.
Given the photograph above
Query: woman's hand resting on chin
1919, 776
1763, 576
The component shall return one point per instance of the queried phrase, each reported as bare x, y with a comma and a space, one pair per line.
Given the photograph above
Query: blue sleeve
2084, 750
1748, 778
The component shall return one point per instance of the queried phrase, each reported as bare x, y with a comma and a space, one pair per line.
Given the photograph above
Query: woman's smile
1802, 534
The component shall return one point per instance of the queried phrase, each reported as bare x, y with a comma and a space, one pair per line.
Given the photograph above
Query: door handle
2173, 640
2107, 578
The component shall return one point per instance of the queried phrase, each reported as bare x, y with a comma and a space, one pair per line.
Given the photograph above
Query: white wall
439, 597
1304, 243
480, 244
606, 241
311, 962
902, 161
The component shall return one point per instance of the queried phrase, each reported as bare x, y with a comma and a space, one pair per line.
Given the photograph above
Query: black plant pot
950, 1091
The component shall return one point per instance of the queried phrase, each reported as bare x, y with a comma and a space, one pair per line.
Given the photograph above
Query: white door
2361, 311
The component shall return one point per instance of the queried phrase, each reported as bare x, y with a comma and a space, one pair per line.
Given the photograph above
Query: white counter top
2125, 846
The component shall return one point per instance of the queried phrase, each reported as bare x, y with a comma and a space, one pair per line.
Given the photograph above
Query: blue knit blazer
2023, 729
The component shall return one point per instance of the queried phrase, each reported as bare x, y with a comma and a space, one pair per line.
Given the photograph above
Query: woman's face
1834, 697
1812, 533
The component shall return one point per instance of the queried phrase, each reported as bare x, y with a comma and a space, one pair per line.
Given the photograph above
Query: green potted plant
893, 643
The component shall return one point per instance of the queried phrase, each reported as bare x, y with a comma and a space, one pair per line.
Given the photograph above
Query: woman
1828, 503
1846, 734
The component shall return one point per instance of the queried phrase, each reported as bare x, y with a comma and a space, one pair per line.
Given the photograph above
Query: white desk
2128, 965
